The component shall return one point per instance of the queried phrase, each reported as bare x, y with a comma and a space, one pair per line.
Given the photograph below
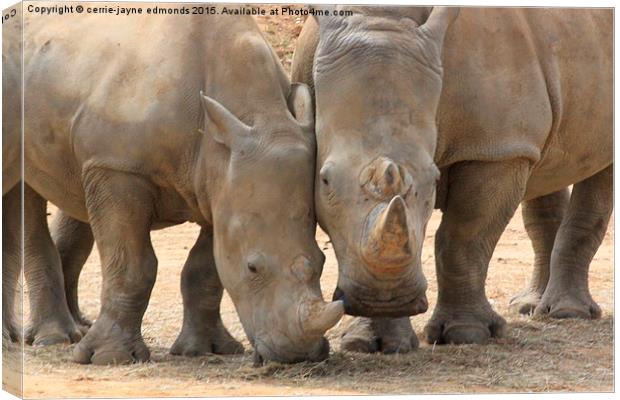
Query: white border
523, 3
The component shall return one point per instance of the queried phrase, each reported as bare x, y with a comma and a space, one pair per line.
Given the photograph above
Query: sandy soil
535, 355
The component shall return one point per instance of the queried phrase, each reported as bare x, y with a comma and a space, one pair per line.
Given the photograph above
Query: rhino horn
388, 241
321, 316
392, 225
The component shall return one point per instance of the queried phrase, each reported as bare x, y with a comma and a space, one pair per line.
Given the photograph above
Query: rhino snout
409, 299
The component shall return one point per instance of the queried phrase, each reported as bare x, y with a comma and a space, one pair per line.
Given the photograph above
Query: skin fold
471, 111
198, 123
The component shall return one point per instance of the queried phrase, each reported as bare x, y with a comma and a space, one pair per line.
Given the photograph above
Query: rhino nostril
389, 174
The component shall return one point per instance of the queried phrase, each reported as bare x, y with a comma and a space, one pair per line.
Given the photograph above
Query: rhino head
264, 226
378, 80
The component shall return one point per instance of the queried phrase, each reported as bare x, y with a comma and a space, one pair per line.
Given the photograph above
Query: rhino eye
252, 268
324, 174
324, 178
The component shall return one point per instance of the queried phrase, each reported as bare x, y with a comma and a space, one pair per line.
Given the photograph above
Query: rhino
140, 124
11, 167
471, 112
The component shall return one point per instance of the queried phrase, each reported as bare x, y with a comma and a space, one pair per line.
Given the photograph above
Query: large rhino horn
392, 227
388, 242
320, 316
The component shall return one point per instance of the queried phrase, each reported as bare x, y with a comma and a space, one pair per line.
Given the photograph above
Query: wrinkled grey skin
132, 144
500, 101
11, 171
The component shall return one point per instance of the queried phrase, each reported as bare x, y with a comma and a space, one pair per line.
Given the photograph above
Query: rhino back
531, 83
124, 95
101, 92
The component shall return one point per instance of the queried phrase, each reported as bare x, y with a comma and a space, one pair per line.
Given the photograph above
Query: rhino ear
439, 21
221, 124
300, 105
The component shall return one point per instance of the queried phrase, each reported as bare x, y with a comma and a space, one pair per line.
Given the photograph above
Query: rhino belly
563, 166
53, 174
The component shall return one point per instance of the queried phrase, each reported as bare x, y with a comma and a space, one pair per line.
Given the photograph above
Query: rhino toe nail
51, 340
563, 313
466, 334
82, 356
360, 345
75, 336
112, 358
433, 334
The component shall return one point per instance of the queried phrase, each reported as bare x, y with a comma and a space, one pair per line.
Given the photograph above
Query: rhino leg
11, 260
567, 294
482, 197
542, 218
120, 210
74, 241
386, 335
203, 331
50, 320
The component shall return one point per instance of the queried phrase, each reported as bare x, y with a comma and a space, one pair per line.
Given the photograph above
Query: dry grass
535, 356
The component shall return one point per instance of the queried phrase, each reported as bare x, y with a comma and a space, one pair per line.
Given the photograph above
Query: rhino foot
574, 304
217, 340
454, 326
52, 332
386, 335
108, 343
525, 302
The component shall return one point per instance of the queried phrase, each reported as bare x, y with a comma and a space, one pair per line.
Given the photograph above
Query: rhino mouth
393, 307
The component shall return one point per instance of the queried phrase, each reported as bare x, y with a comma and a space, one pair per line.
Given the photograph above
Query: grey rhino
118, 135
472, 113
11, 166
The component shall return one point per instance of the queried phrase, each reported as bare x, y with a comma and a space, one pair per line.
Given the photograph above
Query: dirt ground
535, 355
